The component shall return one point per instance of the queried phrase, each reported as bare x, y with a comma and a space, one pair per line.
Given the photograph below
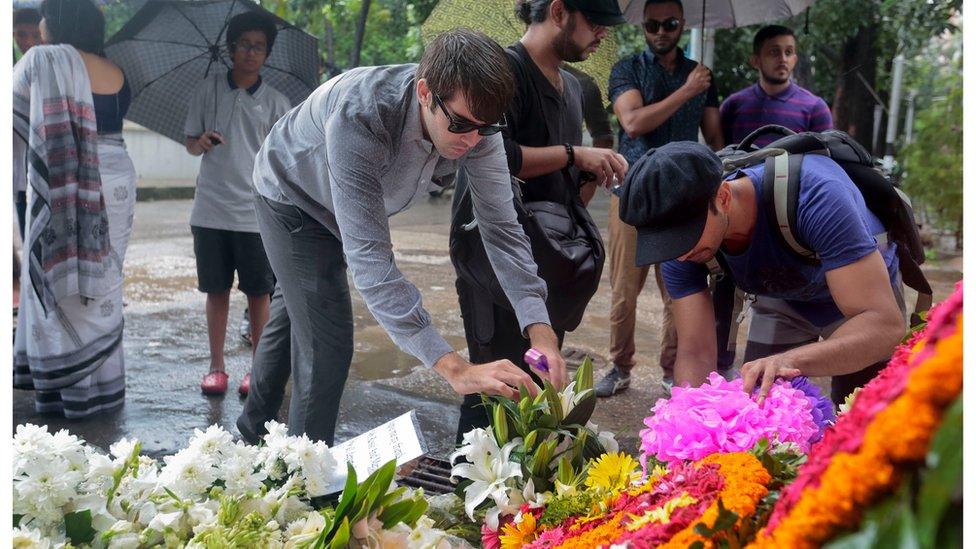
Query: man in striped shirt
775, 99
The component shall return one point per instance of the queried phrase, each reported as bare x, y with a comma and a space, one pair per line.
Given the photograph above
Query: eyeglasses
461, 125
259, 49
670, 24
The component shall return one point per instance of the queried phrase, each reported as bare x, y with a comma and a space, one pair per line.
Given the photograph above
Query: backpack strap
781, 189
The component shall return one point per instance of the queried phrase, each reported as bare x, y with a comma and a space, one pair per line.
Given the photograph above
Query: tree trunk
853, 102
330, 54
357, 45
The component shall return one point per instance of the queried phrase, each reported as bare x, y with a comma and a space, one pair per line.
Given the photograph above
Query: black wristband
571, 154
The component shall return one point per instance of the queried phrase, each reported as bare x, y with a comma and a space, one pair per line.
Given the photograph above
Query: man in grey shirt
362, 147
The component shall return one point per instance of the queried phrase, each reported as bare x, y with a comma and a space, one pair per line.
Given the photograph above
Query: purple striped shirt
750, 108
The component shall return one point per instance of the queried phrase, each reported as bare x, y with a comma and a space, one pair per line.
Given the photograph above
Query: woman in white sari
68, 107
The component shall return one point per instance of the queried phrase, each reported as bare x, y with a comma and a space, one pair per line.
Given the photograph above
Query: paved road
167, 353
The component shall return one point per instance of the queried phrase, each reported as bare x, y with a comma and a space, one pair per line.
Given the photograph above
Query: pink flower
720, 417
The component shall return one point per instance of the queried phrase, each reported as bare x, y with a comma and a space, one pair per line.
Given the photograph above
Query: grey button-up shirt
352, 155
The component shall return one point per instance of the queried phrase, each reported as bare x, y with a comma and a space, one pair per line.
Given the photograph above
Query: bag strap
781, 189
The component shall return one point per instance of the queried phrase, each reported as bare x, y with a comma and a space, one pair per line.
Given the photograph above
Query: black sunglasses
670, 24
461, 125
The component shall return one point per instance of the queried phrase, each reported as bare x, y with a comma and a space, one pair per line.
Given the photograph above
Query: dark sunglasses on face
460, 125
670, 24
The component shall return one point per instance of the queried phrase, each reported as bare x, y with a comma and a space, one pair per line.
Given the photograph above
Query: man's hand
766, 370
603, 163
545, 341
203, 144
699, 79
493, 378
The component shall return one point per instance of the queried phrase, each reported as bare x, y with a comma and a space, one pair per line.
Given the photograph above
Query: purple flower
823, 408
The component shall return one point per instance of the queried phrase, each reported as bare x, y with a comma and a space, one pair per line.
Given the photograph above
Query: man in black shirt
542, 141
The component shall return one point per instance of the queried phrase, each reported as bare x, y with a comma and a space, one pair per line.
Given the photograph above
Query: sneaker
614, 382
245, 328
214, 383
245, 386
667, 383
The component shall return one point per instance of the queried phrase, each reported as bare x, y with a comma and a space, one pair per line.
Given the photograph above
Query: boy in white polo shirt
228, 118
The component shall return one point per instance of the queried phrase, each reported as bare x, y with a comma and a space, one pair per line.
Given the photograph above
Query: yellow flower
519, 532
612, 472
662, 514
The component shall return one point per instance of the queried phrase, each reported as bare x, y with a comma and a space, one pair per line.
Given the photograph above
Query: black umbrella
169, 46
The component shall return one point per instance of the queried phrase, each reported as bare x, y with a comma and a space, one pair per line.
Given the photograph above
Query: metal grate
431, 474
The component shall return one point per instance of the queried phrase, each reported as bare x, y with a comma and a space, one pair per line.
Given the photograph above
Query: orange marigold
900, 434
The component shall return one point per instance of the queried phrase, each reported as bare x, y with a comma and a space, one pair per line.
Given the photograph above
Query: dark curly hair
251, 21
78, 23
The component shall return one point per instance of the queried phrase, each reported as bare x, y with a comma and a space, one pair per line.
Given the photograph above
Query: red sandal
214, 383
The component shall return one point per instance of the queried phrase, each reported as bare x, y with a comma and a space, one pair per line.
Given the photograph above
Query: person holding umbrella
228, 118
659, 96
364, 146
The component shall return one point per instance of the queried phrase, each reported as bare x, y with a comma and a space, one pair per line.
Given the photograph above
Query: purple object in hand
536, 360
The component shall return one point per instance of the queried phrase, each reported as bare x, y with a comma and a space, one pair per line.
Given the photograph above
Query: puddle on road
376, 357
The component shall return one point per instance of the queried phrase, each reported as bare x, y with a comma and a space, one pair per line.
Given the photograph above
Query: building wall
159, 159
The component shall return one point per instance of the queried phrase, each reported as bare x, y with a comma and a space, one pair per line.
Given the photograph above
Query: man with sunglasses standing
543, 145
364, 146
659, 96
226, 122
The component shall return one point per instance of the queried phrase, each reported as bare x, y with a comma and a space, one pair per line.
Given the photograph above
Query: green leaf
583, 410
555, 405
348, 492
341, 537
17, 519
394, 514
584, 375
942, 479
78, 527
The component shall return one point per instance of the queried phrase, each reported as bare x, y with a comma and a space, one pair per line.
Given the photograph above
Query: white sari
68, 345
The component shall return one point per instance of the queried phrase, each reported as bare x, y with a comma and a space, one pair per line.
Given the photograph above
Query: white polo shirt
224, 197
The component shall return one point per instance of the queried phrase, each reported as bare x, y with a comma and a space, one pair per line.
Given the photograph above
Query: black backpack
566, 245
781, 182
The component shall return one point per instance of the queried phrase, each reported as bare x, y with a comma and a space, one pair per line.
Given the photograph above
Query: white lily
489, 469
569, 398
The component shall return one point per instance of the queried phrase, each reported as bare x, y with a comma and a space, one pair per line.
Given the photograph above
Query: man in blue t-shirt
840, 316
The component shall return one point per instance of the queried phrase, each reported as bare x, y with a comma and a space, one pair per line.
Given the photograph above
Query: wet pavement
167, 351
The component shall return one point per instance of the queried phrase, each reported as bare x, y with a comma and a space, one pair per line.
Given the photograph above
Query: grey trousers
310, 329
776, 327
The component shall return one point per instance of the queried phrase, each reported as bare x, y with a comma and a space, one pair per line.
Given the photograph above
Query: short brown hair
466, 61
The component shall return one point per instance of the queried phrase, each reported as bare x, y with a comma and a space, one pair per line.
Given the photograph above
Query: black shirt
542, 117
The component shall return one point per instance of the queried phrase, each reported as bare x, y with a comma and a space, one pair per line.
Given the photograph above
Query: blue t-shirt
832, 220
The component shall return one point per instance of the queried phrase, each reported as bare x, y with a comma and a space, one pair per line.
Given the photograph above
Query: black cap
599, 12
665, 196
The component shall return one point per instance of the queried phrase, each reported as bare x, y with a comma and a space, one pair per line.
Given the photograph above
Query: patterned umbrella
497, 19
722, 14
169, 46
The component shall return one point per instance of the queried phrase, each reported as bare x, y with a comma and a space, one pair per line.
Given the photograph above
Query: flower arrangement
886, 432
213, 493
674, 507
719, 417
533, 447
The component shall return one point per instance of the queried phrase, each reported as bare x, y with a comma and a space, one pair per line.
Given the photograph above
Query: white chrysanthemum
188, 473
122, 448
304, 531
29, 538
212, 442
241, 477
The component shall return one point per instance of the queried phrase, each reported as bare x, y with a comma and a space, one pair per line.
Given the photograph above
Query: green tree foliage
933, 161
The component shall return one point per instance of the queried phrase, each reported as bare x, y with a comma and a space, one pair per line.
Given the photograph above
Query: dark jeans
315, 322
492, 333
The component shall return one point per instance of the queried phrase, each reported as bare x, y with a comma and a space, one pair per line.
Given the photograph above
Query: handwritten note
398, 439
